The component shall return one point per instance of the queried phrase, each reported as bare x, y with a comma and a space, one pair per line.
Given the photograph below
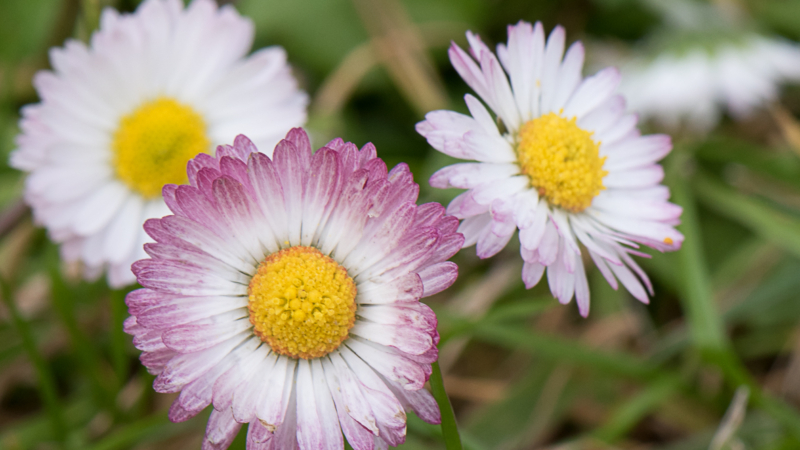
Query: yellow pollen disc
154, 142
562, 161
668, 240
302, 303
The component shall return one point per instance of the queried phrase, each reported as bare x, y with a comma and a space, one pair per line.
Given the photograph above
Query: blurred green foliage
522, 371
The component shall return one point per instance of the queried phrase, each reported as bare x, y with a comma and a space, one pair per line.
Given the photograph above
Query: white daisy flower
695, 86
566, 166
120, 118
286, 291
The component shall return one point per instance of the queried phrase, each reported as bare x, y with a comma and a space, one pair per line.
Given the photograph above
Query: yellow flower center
154, 142
302, 303
562, 161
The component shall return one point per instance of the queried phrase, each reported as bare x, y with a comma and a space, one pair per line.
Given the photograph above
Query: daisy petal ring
561, 162
120, 118
285, 292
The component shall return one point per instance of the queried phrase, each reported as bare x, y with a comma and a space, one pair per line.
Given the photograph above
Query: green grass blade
119, 340
449, 427
47, 384
566, 351
149, 428
705, 322
774, 226
452, 325
630, 413
91, 363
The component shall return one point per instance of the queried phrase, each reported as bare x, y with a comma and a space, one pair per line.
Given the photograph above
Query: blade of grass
119, 340
630, 413
776, 227
90, 360
47, 385
449, 427
150, 428
705, 323
31, 432
456, 325
566, 351
784, 167
420, 428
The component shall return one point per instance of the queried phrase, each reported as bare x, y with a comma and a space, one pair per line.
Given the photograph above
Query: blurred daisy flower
120, 118
694, 86
562, 163
286, 291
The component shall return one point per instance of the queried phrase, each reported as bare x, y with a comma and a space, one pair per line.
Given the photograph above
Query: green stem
449, 428
118, 337
47, 384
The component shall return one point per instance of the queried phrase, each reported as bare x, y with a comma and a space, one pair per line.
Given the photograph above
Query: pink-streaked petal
472, 227
409, 340
438, 277
495, 237
548, 249
220, 431
273, 404
353, 393
635, 178
389, 414
592, 92
470, 73
187, 309
602, 266
469, 175
560, 280
553, 52
402, 289
318, 402
186, 368
195, 337
531, 236
581, 289
569, 75
247, 395
637, 152
531, 273
321, 192
393, 366
359, 437
420, 401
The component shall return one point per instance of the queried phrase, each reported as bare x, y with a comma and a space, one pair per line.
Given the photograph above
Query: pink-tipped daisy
562, 163
120, 118
286, 291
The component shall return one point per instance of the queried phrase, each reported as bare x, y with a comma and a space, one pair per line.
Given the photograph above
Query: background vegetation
522, 371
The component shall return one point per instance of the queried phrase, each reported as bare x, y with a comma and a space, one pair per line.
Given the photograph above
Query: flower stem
449, 428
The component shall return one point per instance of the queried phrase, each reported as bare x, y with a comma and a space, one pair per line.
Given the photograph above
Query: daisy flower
120, 118
286, 291
562, 163
694, 86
